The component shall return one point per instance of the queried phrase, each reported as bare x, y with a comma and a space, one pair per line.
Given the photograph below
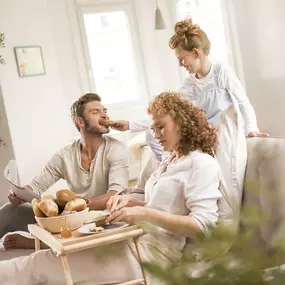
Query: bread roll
63, 196
47, 196
36, 209
48, 207
77, 204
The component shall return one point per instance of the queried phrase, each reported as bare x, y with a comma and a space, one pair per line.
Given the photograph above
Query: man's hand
257, 134
14, 200
120, 125
131, 215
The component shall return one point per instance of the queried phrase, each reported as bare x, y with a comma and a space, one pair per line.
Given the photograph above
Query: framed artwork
29, 60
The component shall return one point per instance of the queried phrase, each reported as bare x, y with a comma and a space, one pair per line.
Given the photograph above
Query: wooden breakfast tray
79, 241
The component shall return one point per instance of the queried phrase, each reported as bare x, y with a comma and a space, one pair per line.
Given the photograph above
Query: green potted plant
246, 263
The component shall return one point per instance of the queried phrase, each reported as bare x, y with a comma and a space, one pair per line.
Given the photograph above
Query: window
208, 15
104, 21
114, 61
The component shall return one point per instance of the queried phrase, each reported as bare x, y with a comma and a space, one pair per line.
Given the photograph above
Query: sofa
264, 187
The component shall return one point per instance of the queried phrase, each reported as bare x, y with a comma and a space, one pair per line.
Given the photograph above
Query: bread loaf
48, 207
36, 209
47, 196
63, 196
77, 204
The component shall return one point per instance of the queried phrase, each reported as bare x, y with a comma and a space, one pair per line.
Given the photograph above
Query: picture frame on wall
29, 61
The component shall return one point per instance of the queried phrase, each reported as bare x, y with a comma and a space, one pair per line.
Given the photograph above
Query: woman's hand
118, 202
257, 134
120, 125
131, 215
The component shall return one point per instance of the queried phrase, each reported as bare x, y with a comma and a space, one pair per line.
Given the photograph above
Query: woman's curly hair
196, 131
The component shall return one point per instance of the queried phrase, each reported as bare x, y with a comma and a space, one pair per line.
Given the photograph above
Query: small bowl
54, 224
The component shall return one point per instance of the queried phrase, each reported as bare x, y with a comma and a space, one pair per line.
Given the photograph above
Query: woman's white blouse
189, 187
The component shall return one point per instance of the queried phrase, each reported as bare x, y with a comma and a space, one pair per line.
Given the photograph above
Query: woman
180, 201
211, 86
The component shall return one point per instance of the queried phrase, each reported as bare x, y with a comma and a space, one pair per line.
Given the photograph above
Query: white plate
110, 227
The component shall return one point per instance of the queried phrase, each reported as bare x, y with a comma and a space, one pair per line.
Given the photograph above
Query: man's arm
99, 203
49, 175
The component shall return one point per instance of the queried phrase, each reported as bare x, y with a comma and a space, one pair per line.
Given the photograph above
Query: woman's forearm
180, 225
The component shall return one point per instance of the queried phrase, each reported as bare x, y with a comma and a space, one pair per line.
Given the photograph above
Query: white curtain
232, 39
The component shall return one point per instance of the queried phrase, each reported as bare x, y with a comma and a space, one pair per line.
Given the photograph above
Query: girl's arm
133, 126
235, 88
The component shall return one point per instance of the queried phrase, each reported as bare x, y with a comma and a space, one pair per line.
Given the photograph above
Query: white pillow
232, 157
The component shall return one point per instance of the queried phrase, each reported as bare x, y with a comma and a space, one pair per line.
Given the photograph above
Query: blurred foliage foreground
227, 258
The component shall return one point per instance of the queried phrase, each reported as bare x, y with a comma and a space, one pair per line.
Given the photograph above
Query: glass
65, 231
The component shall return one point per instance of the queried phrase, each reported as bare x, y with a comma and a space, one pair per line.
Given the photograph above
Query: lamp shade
159, 21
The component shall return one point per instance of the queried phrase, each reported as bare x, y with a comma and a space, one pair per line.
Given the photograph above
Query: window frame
129, 9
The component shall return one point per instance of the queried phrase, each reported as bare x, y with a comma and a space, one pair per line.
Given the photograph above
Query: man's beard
94, 130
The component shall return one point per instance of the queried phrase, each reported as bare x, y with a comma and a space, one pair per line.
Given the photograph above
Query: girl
212, 87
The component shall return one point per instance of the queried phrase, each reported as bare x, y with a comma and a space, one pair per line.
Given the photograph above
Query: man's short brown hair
78, 107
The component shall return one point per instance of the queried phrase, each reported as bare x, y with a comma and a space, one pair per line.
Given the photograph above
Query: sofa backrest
264, 187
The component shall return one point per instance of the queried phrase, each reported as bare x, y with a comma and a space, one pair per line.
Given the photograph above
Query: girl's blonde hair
188, 36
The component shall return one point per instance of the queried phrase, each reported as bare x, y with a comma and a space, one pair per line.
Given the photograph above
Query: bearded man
94, 166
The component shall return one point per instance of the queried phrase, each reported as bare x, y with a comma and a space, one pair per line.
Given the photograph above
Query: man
95, 167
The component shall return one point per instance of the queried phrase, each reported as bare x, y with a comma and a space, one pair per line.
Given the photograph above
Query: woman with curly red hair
180, 201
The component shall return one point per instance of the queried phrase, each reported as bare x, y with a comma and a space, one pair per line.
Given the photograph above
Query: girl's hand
131, 215
118, 202
120, 125
257, 134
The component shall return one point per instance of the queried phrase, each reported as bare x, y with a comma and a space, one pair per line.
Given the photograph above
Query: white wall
62, 37
6, 152
260, 25
163, 72
36, 107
